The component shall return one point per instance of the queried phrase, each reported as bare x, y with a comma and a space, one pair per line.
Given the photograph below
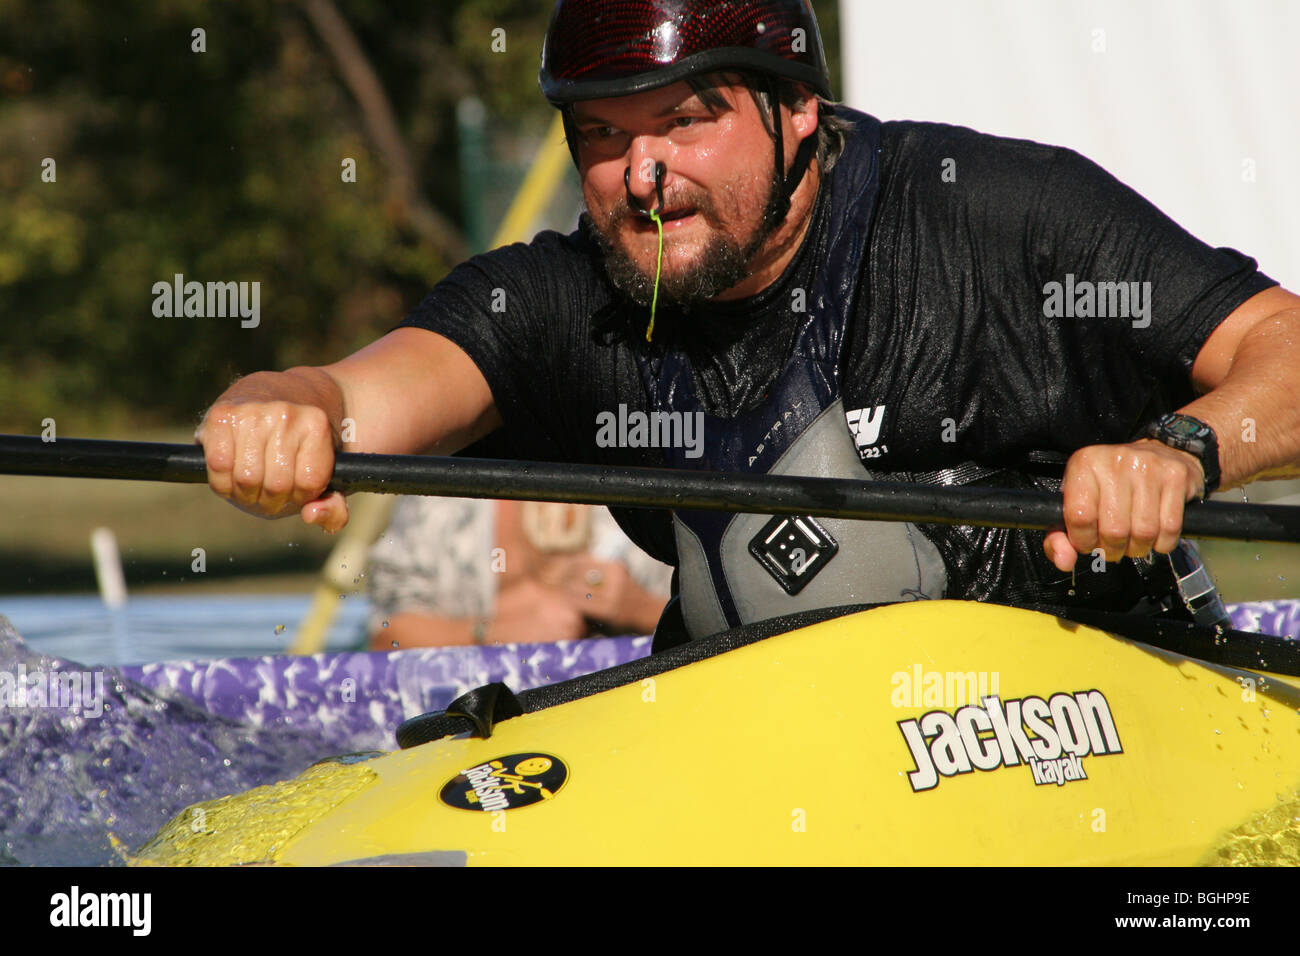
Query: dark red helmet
600, 48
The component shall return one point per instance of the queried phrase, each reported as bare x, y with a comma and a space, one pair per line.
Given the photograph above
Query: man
828, 295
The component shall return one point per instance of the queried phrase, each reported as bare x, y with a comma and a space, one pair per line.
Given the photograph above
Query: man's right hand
270, 438
269, 442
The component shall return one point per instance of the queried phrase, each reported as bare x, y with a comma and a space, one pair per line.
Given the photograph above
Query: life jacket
738, 568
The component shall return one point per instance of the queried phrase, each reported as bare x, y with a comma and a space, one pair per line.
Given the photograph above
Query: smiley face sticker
506, 783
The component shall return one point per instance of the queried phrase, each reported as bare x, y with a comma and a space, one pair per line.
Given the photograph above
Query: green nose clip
654, 215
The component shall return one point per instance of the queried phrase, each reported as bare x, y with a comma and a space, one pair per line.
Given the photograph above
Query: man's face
720, 189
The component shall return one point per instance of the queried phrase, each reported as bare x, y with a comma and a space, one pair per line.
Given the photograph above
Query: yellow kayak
929, 733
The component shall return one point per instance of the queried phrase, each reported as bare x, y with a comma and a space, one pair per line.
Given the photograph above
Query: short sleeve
1028, 296
434, 558
609, 543
1093, 233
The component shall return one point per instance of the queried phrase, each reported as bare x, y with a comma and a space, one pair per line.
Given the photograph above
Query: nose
645, 191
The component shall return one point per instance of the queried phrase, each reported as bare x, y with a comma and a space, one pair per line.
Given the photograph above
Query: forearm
1255, 410
413, 392
410, 629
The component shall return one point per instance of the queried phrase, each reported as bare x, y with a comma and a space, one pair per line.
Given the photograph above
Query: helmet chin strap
790, 182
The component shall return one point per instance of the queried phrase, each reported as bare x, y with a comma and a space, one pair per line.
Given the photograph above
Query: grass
46, 526
1253, 572
1246, 571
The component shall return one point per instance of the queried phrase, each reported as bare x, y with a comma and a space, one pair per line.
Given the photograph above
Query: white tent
1193, 103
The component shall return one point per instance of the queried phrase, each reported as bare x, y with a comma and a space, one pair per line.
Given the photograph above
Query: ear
805, 114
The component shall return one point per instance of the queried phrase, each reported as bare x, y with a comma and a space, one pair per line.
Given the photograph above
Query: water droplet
1256, 556
385, 624
395, 644
226, 761
589, 596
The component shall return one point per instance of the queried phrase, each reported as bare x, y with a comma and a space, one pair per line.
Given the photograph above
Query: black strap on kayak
671, 630
1224, 646
439, 724
475, 713
486, 707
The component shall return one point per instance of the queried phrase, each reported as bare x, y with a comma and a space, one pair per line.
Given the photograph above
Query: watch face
1194, 437
1184, 429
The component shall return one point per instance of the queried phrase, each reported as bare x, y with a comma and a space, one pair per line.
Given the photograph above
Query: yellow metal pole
369, 513
368, 516
537, 188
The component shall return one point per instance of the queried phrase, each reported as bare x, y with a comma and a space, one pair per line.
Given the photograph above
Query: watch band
1194, 437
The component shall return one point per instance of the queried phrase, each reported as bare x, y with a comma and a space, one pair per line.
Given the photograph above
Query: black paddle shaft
637, 488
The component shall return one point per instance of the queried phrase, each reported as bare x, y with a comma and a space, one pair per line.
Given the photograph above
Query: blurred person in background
454, 571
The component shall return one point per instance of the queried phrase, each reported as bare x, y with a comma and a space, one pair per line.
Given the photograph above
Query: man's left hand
1124, 499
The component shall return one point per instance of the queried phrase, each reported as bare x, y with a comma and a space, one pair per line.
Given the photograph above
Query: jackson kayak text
1051, 737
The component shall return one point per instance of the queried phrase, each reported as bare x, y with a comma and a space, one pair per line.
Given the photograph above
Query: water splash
71, 782
80, 790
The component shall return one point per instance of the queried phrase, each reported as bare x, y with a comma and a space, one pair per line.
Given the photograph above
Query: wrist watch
1194, 437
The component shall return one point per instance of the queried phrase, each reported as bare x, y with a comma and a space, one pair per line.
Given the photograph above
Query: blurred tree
219, 156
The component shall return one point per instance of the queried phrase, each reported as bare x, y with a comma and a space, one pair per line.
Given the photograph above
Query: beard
723, 262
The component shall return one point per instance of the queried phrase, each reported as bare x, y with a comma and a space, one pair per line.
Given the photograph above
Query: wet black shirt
948, 346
